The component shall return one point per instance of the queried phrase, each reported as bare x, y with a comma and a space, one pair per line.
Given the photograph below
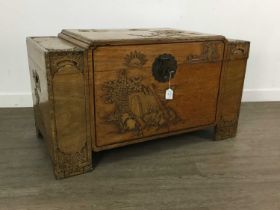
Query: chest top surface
137, 36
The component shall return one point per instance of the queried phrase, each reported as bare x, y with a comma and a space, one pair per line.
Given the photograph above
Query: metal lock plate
164, 67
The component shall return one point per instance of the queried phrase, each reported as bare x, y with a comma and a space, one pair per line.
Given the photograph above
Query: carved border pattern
71, 164
72, 60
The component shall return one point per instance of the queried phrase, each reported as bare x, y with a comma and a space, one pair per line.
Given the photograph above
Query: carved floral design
137, 105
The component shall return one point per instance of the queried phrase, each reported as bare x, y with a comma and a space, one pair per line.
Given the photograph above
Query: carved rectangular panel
73, 150
59, 77
231, 88
130, 102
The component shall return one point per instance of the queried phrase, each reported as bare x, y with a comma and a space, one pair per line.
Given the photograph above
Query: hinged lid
136, 36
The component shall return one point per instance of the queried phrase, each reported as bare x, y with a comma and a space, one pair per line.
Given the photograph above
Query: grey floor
189, 171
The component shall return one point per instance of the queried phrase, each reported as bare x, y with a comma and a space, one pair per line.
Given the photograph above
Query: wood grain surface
95, 90
98, 37
186, 172
231, 88
126, 91
60, 93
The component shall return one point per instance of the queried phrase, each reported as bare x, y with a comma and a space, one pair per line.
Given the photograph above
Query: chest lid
136, 36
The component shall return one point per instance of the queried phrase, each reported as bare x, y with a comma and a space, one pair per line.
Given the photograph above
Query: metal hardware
164, 67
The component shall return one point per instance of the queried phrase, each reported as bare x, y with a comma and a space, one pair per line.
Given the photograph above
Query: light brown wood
100, 89
231, 87
97, 37
195, 88
40, 90
60, 99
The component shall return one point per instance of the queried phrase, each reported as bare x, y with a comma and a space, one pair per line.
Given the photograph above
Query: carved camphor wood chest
98, 89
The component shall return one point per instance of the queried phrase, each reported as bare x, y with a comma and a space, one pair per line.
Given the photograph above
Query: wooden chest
99, 89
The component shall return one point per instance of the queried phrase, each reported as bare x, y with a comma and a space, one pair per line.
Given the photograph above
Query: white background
253, 20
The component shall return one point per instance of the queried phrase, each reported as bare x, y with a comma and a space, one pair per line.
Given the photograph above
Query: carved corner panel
231, 88
72, 146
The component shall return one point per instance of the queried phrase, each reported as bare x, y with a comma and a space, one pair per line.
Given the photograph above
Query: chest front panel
130, 84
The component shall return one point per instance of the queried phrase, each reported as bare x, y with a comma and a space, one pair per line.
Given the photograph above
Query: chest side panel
130, 98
